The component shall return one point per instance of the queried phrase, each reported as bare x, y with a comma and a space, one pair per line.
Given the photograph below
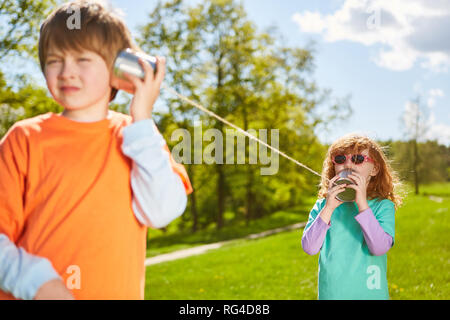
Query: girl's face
78, 80
365, 169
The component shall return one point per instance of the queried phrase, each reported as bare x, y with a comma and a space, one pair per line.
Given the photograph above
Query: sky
382, 53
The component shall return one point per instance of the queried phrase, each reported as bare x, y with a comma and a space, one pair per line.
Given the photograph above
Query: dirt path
436, 199
204, 248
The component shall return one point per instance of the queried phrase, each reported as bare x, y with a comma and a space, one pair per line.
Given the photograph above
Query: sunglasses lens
357, 159
340, 159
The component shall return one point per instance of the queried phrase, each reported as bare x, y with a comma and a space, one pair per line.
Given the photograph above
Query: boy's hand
360, 187
147, 90
53, 290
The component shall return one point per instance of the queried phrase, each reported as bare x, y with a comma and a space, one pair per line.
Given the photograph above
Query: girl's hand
360, 187
333, 190
331, 202
147, 90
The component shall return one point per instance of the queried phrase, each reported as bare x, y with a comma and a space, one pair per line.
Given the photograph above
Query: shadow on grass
433, 189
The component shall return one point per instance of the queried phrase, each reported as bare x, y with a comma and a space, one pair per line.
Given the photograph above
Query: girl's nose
349, 164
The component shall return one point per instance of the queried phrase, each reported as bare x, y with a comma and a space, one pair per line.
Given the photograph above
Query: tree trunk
194, 212
249, 184
220, 195
221, 190
249, 196
415, 166
416, 151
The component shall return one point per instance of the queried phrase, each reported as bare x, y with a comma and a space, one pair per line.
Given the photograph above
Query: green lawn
419, 264
160, 242
277, 268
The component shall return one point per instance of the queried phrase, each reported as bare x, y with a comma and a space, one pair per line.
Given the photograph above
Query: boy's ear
113, 94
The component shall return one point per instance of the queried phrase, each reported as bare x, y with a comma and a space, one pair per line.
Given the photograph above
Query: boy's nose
67, 71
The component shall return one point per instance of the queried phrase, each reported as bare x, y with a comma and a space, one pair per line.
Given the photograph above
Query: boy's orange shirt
65, 194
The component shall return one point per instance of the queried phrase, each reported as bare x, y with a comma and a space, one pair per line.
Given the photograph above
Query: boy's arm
21, 273
159, 184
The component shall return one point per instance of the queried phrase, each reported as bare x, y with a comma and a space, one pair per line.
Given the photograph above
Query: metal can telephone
127, 62
349, 194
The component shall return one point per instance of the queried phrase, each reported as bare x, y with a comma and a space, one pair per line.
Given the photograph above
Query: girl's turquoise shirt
347, 269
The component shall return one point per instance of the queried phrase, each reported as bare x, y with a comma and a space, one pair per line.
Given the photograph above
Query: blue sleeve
318, 206
159, 195
21, 273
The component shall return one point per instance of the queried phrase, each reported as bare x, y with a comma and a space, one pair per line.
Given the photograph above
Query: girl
353, 237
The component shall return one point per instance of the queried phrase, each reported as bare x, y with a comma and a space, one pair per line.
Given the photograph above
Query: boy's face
78, 80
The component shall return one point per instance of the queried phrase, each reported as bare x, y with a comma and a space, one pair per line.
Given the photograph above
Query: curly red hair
385, 185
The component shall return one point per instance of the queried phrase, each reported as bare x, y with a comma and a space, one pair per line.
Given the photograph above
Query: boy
79, 189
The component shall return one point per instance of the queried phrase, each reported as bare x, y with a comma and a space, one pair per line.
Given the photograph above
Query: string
242, 131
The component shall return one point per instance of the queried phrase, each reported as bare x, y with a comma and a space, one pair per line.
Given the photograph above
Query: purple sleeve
378, 241
314, 236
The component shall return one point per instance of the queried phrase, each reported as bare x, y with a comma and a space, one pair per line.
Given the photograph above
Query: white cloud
310, 22
408, 32
439, 132
432, 95
423, 122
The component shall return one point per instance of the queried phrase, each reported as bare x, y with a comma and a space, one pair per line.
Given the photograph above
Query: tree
415, 121
25, 102
432, 168
19, 31
216, 56
20, 21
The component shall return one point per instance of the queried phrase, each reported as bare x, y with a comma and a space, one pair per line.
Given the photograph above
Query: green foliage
217, 57
27, 101
20, 21
19, 30
433, 161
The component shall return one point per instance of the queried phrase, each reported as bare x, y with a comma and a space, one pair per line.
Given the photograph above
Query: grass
419, 264
277, 268
436, 189
160, 242
256, 269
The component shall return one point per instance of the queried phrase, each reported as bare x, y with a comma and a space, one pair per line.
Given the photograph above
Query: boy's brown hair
100, 30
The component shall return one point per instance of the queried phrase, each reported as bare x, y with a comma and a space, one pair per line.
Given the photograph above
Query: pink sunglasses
355, 158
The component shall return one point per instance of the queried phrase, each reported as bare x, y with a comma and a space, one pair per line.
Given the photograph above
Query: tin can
349, 194
127, 62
